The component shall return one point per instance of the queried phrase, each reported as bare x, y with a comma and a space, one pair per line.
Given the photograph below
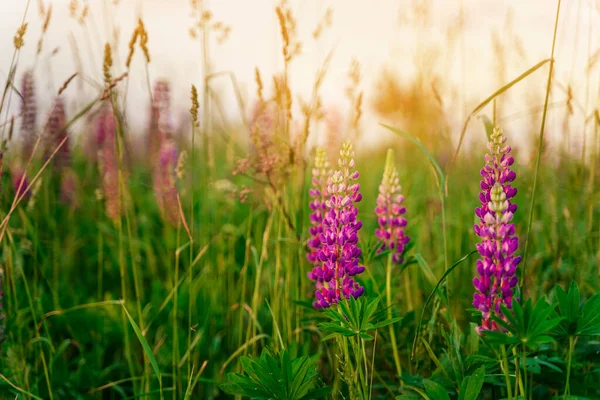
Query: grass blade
143, 342
431, 297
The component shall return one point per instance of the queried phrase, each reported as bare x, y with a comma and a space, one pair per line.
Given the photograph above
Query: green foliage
577, 319
355, 318
525, 325
471, 385
276, 376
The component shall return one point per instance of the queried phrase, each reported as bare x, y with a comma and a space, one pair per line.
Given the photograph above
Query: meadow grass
130, 303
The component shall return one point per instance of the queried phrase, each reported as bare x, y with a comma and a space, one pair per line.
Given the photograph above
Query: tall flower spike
29, 110
20, 182
390, 211
160, 125
319, 194
56, 134
498, 264
339, 252
165, 181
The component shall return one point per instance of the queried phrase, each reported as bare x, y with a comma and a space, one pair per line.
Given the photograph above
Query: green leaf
589, 323
430, 297
471, 386
143, 342
435, 391
427, 271
440, 175
489, 127
489, 100
386, 323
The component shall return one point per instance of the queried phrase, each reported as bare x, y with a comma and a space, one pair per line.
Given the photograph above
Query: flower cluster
160, 124
165, 181
390, 211
319, 194
29, 111
497, 279
20, 182
108, 162
56, 135
338, 254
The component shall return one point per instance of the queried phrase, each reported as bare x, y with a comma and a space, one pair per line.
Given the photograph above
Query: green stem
175, 350
539, 153
524, 356
388, 293
569, 359
504, 362
518, 379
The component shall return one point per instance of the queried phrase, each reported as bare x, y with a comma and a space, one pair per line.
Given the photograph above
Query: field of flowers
213, 262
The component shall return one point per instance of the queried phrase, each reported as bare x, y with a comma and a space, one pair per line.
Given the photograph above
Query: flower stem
539, 154
388, 293
524, 355
504, 363
569, 358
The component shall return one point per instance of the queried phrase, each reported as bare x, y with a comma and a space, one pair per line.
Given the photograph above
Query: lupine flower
29, 110
339, 253
56, 134
20, 182
165, 181
318, 192
497, 268
160, 124
68, 189
390, 211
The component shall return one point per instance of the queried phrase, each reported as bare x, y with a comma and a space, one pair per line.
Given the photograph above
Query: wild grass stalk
539, 154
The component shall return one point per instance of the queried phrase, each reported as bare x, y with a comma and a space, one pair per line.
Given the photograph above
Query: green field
134, 271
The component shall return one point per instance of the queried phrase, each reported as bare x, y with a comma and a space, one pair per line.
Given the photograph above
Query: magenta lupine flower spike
56, 134
21, 183
29, 110
319, 194
390, 211
497, 267
165, 181
339, 252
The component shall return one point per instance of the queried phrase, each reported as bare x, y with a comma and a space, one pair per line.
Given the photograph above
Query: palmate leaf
276, 377
528, 325
589, 322
355, 318
578, 320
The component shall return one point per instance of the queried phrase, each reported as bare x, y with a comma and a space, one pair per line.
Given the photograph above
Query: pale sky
370, 31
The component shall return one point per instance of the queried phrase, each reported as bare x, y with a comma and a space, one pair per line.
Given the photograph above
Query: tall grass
226, 276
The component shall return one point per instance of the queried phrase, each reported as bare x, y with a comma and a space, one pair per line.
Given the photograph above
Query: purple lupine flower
390, 211
68, 189
160, 123
29, 110
497, 268
20, 183
339, 253
318, 192
165, 181
56, 134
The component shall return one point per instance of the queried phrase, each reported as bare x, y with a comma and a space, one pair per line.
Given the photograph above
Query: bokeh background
449, 54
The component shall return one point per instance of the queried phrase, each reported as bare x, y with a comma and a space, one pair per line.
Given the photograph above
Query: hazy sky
378, 33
